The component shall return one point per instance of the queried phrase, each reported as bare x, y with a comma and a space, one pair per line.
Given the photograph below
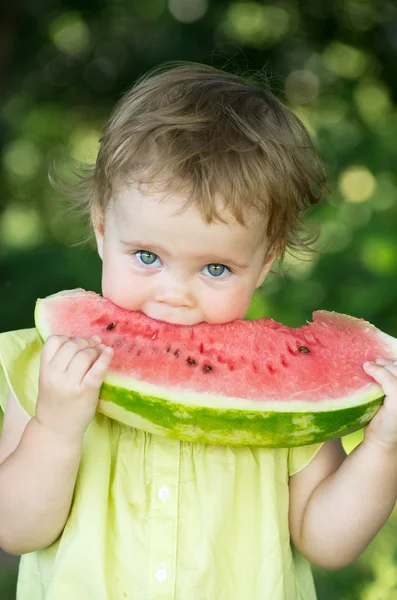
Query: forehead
165, 215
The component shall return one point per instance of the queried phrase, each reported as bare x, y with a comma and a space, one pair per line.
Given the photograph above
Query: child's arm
37, 478
40, 459
339, 503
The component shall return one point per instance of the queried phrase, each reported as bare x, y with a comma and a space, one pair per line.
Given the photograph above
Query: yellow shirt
158, 519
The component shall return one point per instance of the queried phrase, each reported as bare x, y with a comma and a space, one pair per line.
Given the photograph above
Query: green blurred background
64, 64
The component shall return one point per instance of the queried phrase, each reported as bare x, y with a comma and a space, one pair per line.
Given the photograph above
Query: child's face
175, 267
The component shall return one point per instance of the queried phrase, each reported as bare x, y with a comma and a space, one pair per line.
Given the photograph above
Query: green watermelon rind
233, 427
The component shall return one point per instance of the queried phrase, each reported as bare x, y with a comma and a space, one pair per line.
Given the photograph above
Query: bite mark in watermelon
245, 383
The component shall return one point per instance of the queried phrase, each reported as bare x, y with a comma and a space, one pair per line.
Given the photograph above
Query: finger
392, 368
51, 346
384, 361
81, 362
63, 357
385, 376
96, 374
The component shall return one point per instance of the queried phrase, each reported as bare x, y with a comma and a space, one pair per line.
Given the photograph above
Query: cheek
121, 286
228, 306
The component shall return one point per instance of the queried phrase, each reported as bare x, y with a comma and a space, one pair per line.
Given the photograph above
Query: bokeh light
379, 255
70, 33
21, 227
84, 144
345, 61
22, 159
301, 87
372, 100
259, 25
187, 11
360, 15
357, 184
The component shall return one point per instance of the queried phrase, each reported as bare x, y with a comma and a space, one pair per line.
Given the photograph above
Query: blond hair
206, 132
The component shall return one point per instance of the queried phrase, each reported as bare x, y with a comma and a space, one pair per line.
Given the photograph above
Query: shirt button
164, 493
161, 575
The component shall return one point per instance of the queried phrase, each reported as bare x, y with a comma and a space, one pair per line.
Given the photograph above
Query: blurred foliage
63, 66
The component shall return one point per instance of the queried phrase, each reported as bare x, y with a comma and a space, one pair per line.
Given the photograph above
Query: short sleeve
300, 457
19, 367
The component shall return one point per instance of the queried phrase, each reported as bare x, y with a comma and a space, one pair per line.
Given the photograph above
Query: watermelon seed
176, 353
154, 335
190, 361
118, 342
304, 350
283, 361
254, 367
168, 350
201, 348
271, 369
207, 368
290, 350
110, 326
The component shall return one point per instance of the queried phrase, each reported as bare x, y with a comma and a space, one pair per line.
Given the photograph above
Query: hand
383, 427
71, 374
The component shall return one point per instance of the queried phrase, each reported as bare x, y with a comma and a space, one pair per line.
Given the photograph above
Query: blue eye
217, 270
146, 258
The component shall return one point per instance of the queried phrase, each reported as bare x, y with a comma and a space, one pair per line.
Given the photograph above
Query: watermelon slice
245, 383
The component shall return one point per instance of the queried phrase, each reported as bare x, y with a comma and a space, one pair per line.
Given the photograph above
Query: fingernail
108, 350
101, 346
96, 338
368, 363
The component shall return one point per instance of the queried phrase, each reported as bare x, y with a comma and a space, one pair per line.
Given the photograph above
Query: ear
97, 222
270, 258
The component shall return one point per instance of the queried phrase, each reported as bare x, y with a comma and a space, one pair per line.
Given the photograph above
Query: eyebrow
204, 258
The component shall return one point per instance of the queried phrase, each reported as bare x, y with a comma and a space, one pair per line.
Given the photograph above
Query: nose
173, 290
